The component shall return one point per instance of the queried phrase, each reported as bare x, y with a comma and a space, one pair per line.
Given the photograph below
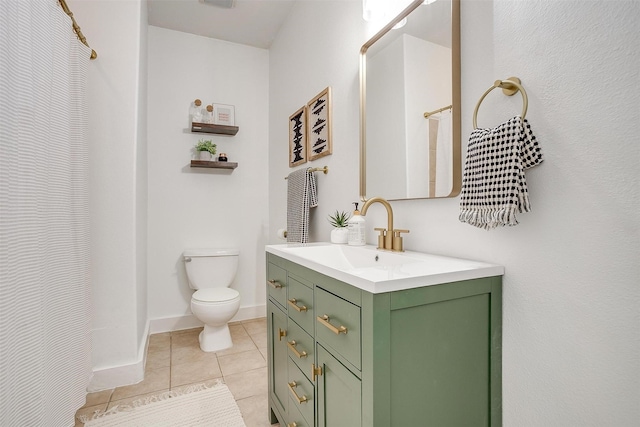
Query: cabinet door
277, 346
339, 393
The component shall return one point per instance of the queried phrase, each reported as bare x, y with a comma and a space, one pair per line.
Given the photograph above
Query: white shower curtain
44, 221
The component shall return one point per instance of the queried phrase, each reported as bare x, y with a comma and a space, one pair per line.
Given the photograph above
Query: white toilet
210, 272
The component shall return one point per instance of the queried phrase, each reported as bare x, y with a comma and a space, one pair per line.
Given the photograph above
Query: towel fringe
489, 218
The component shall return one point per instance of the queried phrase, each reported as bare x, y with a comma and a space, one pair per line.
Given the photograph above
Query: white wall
316, 48
571, 341
195, 207
117, 181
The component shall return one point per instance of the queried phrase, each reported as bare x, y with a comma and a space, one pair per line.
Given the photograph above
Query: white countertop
378, 271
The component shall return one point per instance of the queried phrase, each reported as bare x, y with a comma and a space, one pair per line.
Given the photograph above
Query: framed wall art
319, 125
298, 137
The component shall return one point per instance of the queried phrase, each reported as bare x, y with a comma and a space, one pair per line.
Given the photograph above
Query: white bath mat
195, 406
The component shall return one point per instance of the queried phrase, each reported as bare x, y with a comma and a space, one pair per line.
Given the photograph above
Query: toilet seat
215, 295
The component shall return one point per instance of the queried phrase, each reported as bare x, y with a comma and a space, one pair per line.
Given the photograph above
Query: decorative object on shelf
222, 157
224, 114
298, 137
340, 232
319, 124
208, 114
195, 111
205, 149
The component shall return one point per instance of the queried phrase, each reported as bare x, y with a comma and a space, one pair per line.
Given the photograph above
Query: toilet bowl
210, 273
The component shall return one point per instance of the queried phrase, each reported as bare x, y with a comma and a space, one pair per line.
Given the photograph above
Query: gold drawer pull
292, 346
281, 333
325, 321
300, 400
274, 283
293, 424
293, 303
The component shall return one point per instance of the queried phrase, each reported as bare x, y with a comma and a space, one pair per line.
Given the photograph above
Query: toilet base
215, 338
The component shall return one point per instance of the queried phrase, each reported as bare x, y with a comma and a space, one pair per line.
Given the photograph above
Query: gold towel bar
324, 169
509, 87
439, 110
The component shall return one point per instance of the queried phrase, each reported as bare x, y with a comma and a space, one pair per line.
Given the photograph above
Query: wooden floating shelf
212, 164
210, 128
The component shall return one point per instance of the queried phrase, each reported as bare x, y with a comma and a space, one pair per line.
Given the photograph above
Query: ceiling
250, 22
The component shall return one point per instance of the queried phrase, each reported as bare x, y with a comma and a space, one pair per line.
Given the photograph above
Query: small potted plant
339, 221
205, 149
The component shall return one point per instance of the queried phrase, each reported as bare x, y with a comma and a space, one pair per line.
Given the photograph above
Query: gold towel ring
509, 87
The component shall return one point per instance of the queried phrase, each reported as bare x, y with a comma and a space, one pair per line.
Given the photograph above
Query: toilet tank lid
211, 252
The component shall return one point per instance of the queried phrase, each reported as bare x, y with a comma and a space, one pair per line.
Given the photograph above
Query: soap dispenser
356, 227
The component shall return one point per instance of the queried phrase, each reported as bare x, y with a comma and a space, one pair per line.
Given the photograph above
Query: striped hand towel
494, 187
301, 195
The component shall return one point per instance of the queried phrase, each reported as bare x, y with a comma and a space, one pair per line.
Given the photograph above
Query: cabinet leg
272, 417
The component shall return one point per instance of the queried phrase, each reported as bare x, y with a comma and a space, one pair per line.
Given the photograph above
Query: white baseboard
119, 376
189, 321
248, 313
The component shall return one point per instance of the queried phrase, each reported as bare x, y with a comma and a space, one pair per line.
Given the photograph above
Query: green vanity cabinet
424, 356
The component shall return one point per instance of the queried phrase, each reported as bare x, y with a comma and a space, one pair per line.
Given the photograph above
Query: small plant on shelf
205, 149
206, 145
339, 219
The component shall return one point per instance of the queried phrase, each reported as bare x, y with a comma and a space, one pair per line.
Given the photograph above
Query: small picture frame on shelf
298, 137
319, 142
224, 114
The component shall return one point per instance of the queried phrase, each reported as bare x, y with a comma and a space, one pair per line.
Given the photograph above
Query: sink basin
349, 258
376, 271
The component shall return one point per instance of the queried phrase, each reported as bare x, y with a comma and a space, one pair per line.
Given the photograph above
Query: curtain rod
76, 27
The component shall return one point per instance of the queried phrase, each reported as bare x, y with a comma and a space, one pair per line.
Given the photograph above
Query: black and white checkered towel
494, 187
301, 195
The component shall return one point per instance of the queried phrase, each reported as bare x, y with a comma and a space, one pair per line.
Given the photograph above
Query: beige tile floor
174, 360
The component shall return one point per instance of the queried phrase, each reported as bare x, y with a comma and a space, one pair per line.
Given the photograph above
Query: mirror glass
405, 75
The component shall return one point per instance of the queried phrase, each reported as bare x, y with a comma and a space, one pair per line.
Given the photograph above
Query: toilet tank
211, 267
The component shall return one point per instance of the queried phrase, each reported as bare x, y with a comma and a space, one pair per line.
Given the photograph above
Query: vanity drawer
300, 304
295, 416
276, 283
338, 325
300, 347
301, 393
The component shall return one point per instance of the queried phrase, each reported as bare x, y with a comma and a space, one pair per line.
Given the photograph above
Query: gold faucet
389, 238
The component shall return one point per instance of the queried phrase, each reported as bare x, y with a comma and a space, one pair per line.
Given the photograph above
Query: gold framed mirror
410, 129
